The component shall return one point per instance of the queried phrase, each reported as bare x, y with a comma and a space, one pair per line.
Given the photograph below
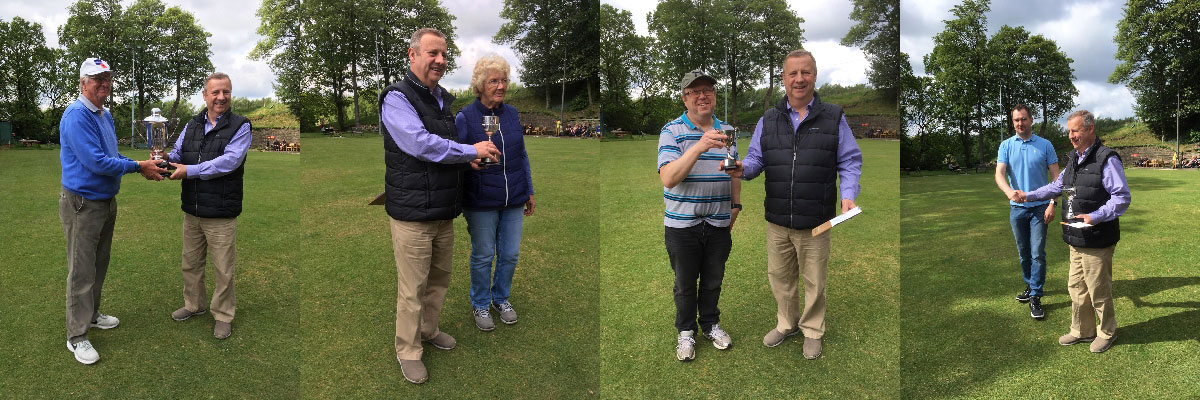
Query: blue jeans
1029, 228
495, 234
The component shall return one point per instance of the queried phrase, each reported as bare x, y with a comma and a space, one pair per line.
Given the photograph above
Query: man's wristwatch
736, 205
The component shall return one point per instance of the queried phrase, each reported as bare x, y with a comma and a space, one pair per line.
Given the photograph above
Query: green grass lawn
965, 335
148, 355
593, 289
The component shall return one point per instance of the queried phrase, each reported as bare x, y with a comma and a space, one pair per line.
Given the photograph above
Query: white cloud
838, 64
475, 30
1105, 100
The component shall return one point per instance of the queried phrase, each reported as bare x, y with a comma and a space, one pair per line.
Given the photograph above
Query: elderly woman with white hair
497, 198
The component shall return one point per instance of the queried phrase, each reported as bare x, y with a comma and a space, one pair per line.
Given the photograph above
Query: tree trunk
354, 88
770, 87
1045, 121
588, 82
175, 106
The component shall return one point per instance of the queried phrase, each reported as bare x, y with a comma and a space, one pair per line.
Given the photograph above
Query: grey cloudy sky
1083, 30
476, 21
232, 24
825, 22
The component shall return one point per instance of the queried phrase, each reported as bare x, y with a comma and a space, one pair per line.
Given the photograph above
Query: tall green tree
1050, 78
878, 32
282, 26
1158, 44
780, 33
556, 40
94, 29
23, 55
618, 41
185, 51
955, 61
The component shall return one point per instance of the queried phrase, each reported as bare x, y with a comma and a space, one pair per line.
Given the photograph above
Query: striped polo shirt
703, 196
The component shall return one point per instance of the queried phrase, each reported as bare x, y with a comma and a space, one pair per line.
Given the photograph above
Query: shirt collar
716, 122
806, 108
88, 103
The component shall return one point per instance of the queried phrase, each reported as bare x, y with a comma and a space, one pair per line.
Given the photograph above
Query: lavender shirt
235, 152
406, 129
849, 162
1112, 177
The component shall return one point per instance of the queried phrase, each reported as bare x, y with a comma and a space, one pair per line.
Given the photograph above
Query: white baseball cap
93, 66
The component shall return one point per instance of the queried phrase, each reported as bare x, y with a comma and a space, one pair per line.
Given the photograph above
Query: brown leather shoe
442, 341
812, 348
413, 371
1101, 344
775, 337
1067, 340
222, 330
182, 313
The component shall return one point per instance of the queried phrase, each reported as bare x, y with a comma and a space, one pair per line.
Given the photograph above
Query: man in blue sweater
91, 177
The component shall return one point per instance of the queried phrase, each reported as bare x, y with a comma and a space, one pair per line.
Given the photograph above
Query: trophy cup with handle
156, 137
730, 162
491, 125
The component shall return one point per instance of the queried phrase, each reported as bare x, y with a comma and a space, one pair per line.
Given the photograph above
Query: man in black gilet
209, 157
424, 194
812, 165
1101, 194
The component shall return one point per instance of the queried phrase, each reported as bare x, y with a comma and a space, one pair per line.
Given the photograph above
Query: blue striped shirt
704, 195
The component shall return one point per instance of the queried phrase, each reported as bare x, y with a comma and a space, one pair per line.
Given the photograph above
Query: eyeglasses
497, 82
101, 79
706, 91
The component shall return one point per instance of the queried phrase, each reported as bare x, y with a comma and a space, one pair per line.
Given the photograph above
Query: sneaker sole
785, 336
1078, 341
105, 326
81, 361
486, 329
1037, 317
814, 357
693, 357
201, 312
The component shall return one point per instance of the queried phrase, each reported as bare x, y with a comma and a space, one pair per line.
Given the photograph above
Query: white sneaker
719, 338
106, 322
685, 346
84, 352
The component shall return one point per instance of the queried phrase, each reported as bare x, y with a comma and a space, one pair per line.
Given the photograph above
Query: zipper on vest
503, 162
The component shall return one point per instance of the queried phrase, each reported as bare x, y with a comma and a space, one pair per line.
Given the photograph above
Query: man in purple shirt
423, 191
1100, 195
209, 158
803, 145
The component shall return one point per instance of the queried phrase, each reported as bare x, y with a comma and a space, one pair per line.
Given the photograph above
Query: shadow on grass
1180, 326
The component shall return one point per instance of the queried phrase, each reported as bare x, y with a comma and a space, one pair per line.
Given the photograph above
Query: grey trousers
88, 227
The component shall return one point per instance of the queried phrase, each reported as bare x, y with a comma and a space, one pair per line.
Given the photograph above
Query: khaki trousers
203, 237
423, 251
1090, 285
88, 228
792, 254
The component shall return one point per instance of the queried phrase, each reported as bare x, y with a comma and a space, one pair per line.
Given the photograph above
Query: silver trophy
730, 162
156, 137
1070, 195
491, 125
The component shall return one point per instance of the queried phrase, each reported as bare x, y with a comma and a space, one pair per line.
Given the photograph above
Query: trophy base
487, 162
728, 164
167, 166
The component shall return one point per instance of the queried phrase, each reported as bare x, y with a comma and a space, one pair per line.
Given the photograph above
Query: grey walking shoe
812, 348
1068, 339
222, 330
685, 346
1101, 344
413, 371
775, 337
182, 313
105, 322
719, 338
483, 320
507, 314
84, 352
442, 341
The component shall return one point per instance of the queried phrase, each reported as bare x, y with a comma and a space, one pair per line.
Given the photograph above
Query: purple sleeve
752, 165
1052, 189
231, 159
406, 129
1113, 178
174, 155
849, 162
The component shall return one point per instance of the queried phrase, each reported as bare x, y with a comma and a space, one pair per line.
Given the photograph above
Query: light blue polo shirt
1028, 163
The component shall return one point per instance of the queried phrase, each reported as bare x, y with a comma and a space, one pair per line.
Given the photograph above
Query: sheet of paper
1078, 224
845, 216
